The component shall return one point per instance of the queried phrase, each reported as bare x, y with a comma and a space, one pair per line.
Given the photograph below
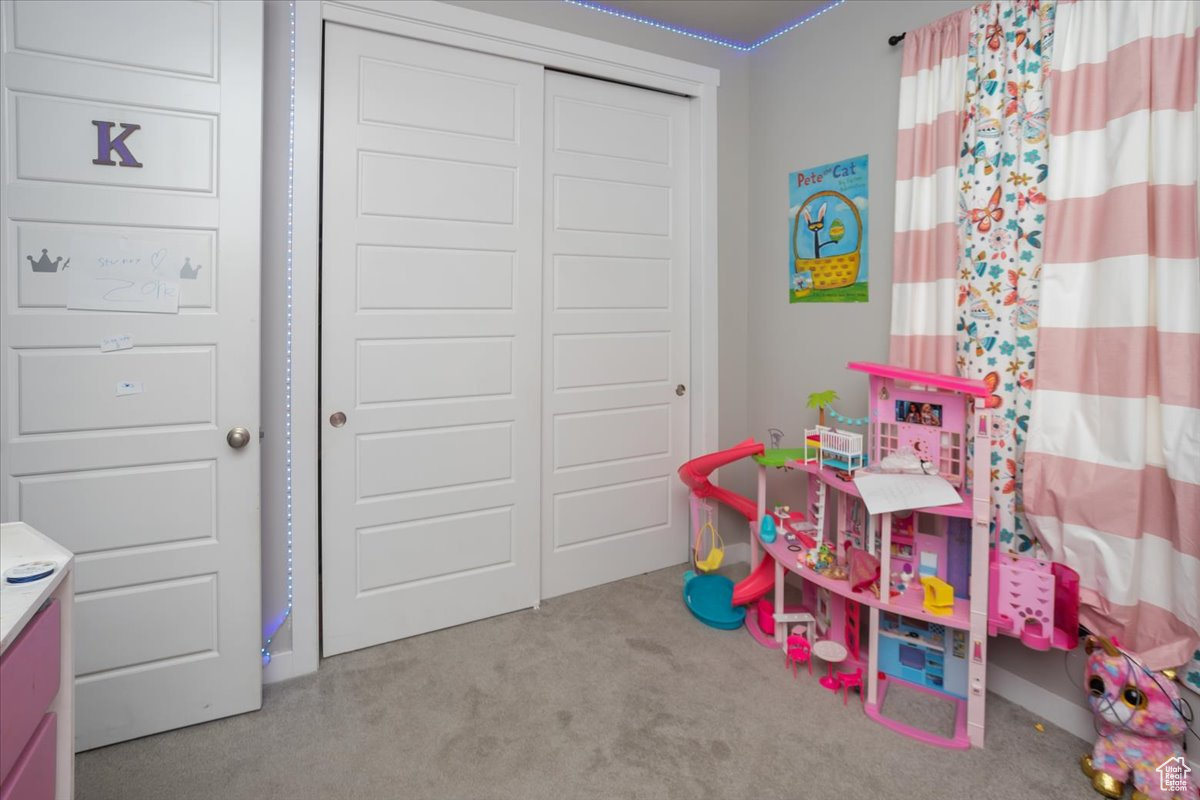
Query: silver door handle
238, 438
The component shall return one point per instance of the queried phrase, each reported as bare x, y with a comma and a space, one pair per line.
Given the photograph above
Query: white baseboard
1072, 717
281, 668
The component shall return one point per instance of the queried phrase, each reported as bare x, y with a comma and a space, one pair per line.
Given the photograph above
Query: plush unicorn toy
1140, 722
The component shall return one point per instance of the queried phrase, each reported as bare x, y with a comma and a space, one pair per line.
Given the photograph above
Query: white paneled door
130, 211
616, 355
430, 338
504, 335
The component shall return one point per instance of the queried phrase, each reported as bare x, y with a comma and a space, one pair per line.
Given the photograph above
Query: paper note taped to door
121, 273
110, 343
884, 493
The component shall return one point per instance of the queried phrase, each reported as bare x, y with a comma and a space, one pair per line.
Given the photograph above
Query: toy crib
834, 448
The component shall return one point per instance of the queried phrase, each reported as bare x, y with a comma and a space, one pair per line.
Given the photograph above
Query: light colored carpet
615, 692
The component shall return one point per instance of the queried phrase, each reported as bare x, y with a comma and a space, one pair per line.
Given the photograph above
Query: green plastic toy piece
780, 457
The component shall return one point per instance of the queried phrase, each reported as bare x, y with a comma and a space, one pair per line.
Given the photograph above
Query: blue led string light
704, 37
701, 35
287, 358
796, 24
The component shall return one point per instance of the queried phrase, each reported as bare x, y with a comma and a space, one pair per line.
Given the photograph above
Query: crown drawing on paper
44, 264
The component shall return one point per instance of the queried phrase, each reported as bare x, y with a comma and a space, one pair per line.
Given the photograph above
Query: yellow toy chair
939, 596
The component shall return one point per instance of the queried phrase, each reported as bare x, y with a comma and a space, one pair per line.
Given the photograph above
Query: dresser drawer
32, 777
29, 676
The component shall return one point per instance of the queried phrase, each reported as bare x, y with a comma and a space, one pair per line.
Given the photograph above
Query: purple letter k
105, 144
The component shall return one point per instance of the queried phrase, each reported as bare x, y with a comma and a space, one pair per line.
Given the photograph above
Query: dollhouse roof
951, 383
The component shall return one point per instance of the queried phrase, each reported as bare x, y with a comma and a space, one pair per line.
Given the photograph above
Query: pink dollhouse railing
1036, 601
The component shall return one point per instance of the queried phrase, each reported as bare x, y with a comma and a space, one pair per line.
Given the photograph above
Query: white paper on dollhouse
885, 493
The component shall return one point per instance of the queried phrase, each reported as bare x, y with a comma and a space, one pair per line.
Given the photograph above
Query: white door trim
473, 30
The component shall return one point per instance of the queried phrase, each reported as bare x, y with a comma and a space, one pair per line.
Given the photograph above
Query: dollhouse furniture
831, 653
939, 596
939, 647
799, 651
834, 448
37, 670
809, 622
850, 680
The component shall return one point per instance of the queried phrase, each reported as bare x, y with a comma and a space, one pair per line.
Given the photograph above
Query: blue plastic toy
710, 599
766, 531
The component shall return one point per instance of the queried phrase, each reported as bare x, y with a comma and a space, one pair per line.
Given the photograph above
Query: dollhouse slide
695, 474
711, 597
756, 584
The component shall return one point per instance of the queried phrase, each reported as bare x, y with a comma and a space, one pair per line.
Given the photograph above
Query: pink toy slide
757, 583
695, 474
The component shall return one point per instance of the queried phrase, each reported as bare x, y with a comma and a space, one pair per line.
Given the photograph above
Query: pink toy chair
799, 651
850, 680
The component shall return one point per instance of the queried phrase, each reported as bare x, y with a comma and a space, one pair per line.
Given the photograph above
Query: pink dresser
36, 678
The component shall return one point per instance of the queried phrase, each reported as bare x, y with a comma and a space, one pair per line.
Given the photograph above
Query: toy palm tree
819, 400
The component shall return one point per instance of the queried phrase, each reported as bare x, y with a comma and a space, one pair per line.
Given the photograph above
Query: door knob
238, 438
337, 419
681, 390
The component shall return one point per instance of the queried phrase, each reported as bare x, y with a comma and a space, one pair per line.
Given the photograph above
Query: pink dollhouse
934, 586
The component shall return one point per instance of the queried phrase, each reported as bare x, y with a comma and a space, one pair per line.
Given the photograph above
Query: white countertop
19, 543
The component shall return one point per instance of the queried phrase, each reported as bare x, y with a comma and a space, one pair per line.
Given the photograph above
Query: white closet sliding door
431, 337
615, 351
500, 415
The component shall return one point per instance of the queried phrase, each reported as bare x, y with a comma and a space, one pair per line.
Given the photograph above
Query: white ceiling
743, 21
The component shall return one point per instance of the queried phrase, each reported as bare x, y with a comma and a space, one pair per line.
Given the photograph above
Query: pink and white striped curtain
1112, 474
925, 247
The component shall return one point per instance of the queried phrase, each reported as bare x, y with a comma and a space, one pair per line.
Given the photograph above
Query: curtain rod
895, 40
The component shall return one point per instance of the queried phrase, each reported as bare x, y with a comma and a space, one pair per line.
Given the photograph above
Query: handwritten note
110, 343
883, 493
121, 273
125, 388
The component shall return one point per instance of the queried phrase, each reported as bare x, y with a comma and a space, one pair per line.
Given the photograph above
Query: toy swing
716, 546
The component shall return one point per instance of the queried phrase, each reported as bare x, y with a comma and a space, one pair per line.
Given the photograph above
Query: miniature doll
927, 415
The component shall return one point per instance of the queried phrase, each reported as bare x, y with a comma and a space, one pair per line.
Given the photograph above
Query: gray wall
733, 112
826, 92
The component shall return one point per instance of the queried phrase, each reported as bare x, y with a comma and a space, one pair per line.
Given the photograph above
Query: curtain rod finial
895, 40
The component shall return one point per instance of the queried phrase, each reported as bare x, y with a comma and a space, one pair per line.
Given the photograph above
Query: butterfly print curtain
1002, 171
1112, 480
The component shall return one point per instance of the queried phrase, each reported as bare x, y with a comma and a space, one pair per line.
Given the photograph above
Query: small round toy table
831, 653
